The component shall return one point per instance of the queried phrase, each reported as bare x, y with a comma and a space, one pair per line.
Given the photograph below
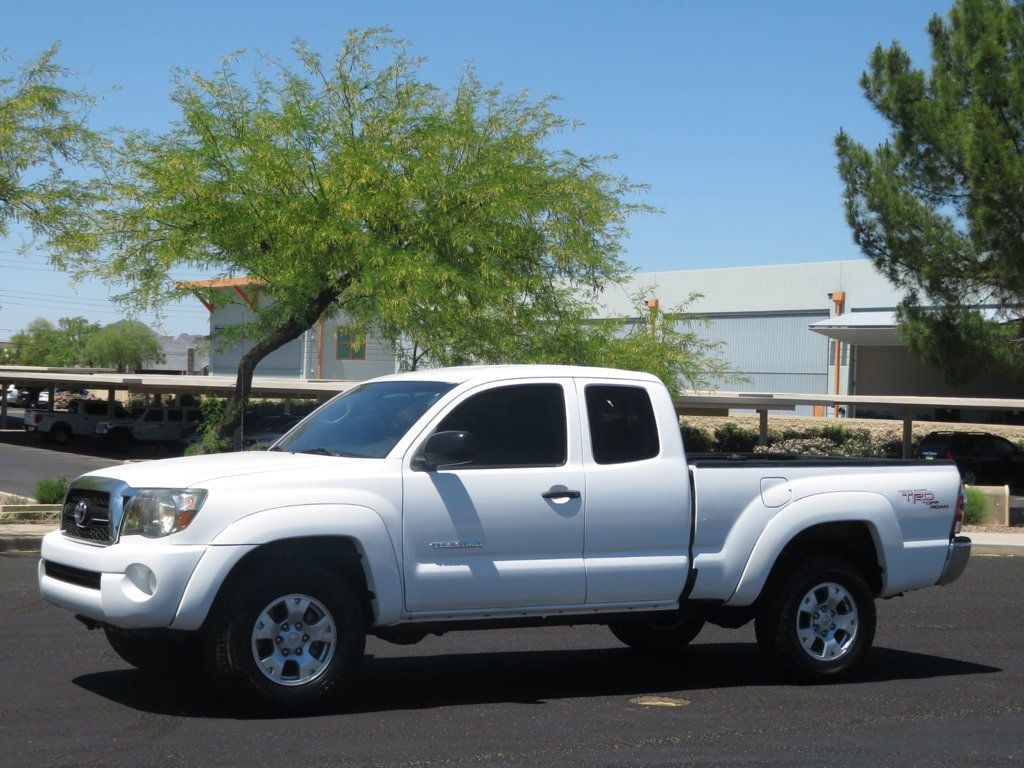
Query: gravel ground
994, 529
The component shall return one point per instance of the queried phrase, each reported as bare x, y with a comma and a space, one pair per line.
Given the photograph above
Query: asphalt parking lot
943, 687
26, 457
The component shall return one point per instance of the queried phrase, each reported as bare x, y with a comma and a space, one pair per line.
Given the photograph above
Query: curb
20, 545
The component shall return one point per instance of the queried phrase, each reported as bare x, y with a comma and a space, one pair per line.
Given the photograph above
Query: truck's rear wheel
659, 636
157, 652
60, 434
291, 641
819, 622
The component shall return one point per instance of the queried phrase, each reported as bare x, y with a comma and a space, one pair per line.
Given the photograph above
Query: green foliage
733, 438
828, 440
975, 506
126, 345
32, 345
61, 346
351, 186
695, 439
938, 206
42, 135
210, 429
664, 343
837, 440
51, 490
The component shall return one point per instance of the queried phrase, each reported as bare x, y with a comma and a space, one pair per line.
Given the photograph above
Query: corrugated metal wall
775, 352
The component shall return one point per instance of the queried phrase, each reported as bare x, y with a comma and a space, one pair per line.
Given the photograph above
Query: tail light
958, 515
949, 455
37, 417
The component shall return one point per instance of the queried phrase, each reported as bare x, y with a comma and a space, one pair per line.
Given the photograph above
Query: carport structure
158, 384
762, 403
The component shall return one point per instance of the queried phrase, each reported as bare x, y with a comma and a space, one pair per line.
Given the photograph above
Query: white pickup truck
80, 419
488, 497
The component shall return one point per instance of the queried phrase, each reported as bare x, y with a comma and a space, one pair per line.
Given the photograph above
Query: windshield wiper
326, 452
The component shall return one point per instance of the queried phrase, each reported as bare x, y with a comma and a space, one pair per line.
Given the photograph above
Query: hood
192, 471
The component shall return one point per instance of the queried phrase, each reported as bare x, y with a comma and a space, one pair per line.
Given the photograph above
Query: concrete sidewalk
26, 537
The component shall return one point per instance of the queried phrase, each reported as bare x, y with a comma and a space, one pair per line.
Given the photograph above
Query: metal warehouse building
819, 328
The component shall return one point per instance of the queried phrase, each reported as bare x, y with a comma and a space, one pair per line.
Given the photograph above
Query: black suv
982, 459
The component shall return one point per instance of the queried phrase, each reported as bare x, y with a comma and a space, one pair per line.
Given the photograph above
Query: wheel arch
860, 528
851, 542
340, 555
351, 541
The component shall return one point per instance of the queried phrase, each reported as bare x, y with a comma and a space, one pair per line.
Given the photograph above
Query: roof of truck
486, 373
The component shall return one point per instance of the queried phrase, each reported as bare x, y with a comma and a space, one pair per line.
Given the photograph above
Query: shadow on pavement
523, 677
84, 446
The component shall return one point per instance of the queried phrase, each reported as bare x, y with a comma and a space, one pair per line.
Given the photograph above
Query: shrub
975, 506
732, 438
695, 439
838, 440
51, 490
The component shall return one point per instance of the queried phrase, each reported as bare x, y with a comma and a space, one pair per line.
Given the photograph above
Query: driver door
506, 529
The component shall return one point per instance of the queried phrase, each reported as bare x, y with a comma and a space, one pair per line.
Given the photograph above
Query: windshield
366, 421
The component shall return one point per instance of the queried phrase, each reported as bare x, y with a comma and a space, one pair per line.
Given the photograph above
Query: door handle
561, 495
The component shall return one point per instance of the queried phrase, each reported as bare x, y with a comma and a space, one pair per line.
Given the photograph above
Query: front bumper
137, 584
956, 560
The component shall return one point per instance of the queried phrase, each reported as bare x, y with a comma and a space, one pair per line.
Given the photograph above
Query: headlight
156, 512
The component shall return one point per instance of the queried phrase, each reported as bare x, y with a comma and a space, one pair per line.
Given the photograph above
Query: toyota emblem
81, 513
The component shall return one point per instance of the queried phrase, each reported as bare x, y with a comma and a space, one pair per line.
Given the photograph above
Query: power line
41, 266
102, 311
31, 295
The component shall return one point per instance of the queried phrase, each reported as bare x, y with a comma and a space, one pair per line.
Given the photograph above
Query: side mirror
443, 450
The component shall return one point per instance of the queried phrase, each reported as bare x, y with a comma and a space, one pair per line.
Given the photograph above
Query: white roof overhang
871, 329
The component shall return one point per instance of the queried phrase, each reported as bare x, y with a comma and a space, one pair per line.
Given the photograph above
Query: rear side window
516, 426
622, 426
935, 447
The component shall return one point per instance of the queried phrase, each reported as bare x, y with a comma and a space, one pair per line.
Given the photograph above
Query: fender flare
872, 509
362, 525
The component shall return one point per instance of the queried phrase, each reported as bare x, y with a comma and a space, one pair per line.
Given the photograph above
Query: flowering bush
828, 440
63, 399
838, 441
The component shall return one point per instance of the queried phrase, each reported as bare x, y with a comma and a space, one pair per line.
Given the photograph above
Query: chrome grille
86, 515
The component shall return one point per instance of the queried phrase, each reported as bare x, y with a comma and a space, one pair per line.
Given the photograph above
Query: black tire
660, 638
159, 653
818, 621
299, 672
60, 434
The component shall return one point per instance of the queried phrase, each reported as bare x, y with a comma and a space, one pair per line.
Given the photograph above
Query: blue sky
726, 109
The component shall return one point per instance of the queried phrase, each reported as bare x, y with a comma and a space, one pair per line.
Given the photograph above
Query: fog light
142, 578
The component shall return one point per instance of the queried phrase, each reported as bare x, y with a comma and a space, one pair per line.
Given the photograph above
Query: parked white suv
159, 424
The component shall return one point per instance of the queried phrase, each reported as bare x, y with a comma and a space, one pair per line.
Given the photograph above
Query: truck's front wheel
819, 621
290, 641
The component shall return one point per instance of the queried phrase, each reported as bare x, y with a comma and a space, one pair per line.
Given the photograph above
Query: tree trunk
291, 329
